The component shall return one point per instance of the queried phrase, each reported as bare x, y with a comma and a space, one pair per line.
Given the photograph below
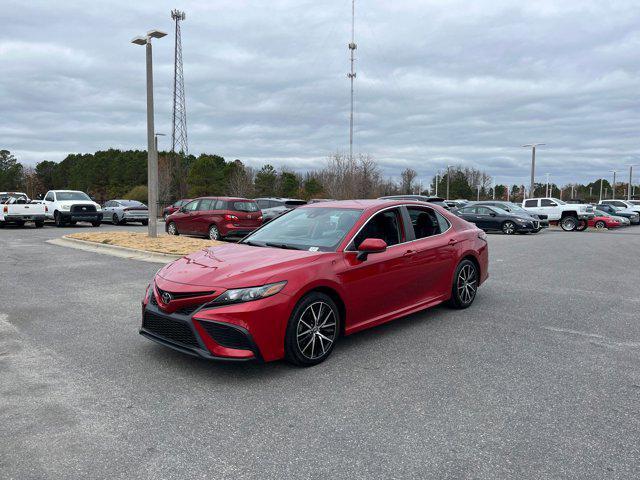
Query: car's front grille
83, 208
225, 336
172, 330
181, 295
188, 310
536, 224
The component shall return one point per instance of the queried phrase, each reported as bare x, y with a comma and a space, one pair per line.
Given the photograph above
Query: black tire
145, 222
305, 328
582, 225
465, 285
600, 225
536, 230
114, 219
20, 223
214, 233
569, 224
172, 229
96, 224
39, 224
72, 222
59, 221
508, 227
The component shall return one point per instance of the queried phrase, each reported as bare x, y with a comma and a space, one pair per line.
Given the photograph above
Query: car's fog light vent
228, 337
172, 330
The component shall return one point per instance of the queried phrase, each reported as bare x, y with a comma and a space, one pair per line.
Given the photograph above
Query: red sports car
215, 217
600, 221
290, 289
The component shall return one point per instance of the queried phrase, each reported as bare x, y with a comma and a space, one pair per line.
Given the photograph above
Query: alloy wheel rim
509, 228
600, 225
172, 229
467, 284
115, 218
316, 330
213, 233
569, 223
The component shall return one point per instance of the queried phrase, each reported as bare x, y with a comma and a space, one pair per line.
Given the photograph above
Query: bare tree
408, 176
240, 180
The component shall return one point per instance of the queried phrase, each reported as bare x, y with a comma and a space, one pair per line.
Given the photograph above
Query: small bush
139, 193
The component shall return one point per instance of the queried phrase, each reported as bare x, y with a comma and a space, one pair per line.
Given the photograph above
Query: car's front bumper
24, 218
81, 217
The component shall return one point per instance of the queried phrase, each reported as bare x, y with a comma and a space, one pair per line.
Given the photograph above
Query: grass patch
173, 245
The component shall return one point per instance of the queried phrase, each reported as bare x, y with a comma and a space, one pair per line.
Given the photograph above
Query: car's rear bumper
132, 217
24, 218
230, 230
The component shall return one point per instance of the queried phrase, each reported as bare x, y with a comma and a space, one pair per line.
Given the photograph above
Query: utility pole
352, 74
573, 195
478, 193
547, 190
152, 154
613, 187
493, 193
448, 179
630, 189
600, 190
437, 181
533, 165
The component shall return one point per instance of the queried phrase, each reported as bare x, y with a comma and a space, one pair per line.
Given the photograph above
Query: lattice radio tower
179, 142
352, 74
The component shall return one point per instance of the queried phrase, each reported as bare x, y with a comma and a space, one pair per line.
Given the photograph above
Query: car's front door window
384, 225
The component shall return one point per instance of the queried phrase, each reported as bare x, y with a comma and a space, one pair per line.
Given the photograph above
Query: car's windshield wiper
253, 244
283, 245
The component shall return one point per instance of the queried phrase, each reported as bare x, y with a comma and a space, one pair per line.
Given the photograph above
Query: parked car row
68, 207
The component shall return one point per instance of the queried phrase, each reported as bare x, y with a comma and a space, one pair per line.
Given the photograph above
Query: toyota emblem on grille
84, 208
166, 297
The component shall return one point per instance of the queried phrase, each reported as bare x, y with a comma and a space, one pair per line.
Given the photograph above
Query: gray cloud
439, 82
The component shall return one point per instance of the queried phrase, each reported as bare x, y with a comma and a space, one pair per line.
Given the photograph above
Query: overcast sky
439, 82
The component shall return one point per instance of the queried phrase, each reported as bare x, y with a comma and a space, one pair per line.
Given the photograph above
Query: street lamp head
156, 34
139, 41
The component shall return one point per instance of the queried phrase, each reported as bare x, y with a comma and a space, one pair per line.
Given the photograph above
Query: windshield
131, 203
635, 202
62, 196
244, 206
313, 229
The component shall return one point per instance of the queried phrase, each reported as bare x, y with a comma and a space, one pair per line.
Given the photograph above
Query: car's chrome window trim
417, 204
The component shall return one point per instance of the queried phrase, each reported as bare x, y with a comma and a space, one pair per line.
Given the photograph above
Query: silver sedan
120, 212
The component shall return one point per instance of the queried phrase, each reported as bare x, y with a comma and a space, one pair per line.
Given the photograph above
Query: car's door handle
409, 253
452, 241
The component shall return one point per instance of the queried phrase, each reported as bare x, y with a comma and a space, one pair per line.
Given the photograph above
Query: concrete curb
116, 251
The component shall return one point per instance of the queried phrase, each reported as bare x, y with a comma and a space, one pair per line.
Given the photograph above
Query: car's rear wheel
145, 222
39, 224
214, 233
569, 224
312, 330
114, 219
508, 227
172, 229
582, 225
465, 285
600, 225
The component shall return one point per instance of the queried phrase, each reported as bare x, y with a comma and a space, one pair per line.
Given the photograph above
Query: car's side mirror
370, 245
182, 210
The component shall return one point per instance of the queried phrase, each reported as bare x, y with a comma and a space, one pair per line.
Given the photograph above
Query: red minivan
215, 217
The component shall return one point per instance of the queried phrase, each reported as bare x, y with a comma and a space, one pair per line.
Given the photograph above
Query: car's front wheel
582, 225
172, 229
57, 218
312, 330
465, 285
509, 227
600, 225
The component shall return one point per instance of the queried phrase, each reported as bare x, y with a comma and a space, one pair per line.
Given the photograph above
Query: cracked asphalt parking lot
540, 378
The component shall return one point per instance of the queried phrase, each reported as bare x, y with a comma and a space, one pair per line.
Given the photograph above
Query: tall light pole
448, 179
533, 165
152, 154
493, 193
600, 190
630, 189
352, 75
437, 181
613, 187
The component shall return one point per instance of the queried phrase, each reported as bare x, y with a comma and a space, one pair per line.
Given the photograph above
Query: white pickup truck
15, 207
570, 217
71, 206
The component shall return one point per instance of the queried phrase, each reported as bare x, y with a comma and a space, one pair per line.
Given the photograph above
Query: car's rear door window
243, 206
531, 203
206, 205
426, 222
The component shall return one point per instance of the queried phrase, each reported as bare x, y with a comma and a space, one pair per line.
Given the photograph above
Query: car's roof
368, 204
282, 199
227, 198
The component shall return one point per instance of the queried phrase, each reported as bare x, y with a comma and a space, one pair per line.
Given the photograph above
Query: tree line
123, 174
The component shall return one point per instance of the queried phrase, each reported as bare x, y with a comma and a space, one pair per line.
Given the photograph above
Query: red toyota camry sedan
294, 286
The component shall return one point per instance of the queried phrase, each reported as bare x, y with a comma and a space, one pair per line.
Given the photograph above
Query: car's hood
236, 265
69, 203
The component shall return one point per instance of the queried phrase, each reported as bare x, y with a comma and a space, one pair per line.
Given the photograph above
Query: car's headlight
240, 295
520, 220
98, 208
